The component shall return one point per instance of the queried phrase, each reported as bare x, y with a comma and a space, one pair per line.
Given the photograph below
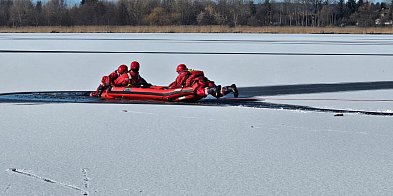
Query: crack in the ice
29, 174
86, 179
6, 188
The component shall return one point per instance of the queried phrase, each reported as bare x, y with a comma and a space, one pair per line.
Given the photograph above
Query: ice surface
377, 100
114, 149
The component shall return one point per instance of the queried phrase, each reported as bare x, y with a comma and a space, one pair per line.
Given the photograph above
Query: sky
67, 1
73, 1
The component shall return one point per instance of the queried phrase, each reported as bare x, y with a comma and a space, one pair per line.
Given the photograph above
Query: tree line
308, 13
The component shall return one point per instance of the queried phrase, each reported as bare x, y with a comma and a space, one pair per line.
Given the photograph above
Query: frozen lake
130, 149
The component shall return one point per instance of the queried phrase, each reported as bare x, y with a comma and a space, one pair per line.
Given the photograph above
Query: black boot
234, 90
228, 89
215, 91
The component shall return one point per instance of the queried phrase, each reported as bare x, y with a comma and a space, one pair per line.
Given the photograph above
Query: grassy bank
198, 29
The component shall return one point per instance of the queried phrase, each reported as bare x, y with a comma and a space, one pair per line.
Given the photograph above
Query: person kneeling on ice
200, 84
132, 78
108, 80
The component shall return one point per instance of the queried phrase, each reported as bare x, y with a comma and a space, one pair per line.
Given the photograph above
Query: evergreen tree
351, 7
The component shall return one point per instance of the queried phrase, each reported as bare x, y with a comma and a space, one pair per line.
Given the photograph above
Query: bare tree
194, 12
21, 13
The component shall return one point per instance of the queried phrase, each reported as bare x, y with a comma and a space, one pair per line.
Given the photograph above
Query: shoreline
199, 29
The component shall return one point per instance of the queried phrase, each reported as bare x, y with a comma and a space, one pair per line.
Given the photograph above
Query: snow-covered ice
116, 149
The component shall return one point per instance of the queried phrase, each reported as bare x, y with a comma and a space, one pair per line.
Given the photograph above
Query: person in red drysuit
108, 80
132, 78
200, 84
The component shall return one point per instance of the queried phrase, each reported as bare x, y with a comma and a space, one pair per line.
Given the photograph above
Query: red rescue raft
154, 93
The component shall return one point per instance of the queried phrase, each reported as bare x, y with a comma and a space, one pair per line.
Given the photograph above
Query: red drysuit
106, 81
132, 79
195, 79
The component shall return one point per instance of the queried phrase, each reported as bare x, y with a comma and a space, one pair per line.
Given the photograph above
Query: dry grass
198, 29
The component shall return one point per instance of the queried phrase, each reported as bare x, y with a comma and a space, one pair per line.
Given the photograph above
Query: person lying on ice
132, 78
108, 80
199, 83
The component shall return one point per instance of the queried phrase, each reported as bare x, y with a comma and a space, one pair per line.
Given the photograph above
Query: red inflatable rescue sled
153, 93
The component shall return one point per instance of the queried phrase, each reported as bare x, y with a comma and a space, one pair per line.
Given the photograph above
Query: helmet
181, 67
134, 66
122, 69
